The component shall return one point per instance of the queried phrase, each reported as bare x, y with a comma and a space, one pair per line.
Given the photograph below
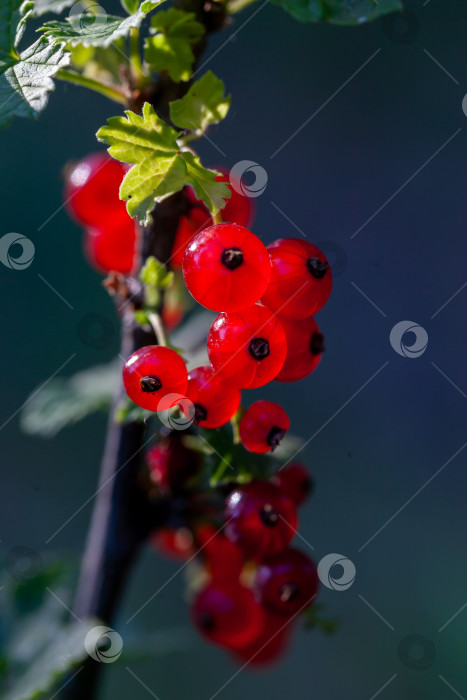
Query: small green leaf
25, 85
41, 7
314, 618
170, 49
339, 11
91, 29
205, 103
154, 273
204, 183
130, 6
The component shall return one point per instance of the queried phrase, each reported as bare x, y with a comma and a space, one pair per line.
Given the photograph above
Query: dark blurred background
386, 431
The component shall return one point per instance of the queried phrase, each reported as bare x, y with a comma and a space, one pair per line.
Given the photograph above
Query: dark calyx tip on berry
200, 413
275, 436
232, 258
317, 267
269, 516
317, 344
288, 591
207, 621
150, 384
259, 348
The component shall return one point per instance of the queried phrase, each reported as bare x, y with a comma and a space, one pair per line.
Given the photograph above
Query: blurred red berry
248, 347
295, 481
92, 191
227, 614
286, 582
305, 345
215, 401
151, 374
224, 560
111, 247
194, 222
173, 543
260, 519
301, 279
172, 464
263, 426
270, 644
226, 268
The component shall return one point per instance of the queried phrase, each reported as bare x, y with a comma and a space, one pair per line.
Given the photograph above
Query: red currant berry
223, 558
153, 372
301, 279
226, 268
227, 614
249, 347
91, 190
263, 426
286, 582
172, 543
197, 220
260, 519
270, 644
113, 247
238, 209
305, 345
172, 464
215, 402
295, 482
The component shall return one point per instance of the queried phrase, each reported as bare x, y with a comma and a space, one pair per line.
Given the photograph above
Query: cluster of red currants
254, 585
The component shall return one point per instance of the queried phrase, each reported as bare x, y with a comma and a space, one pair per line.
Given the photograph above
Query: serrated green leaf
204, 183
339, 11
13, 15
25, 85
65, 652
205, 103
170, 50
91, 29
26, 10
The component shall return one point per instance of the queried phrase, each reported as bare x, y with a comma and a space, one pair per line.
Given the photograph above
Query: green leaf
57, 660
64, 402
131, 6
41, 7
154, 273
204, 183
205, 103
91, 29
339, 11
314, 618
13, 15
170, 50
25, 85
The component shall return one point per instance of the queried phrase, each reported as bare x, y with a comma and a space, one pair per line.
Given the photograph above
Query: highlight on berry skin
153, 373
263, 426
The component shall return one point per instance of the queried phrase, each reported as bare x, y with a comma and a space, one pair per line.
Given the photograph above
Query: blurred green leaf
41, 7
91, 29
339, 11
64, 402
314, 617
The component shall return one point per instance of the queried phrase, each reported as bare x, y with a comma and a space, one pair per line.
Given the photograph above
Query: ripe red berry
91, 190
260, 519
270, 644
249, 347
172, 464
295, 482
194, 222
226, 268
111, 247
286, 582
173, 543
239, 209
215, 401
301, 279
153, 372
227, 614
223, 559
305, 345
263, 426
